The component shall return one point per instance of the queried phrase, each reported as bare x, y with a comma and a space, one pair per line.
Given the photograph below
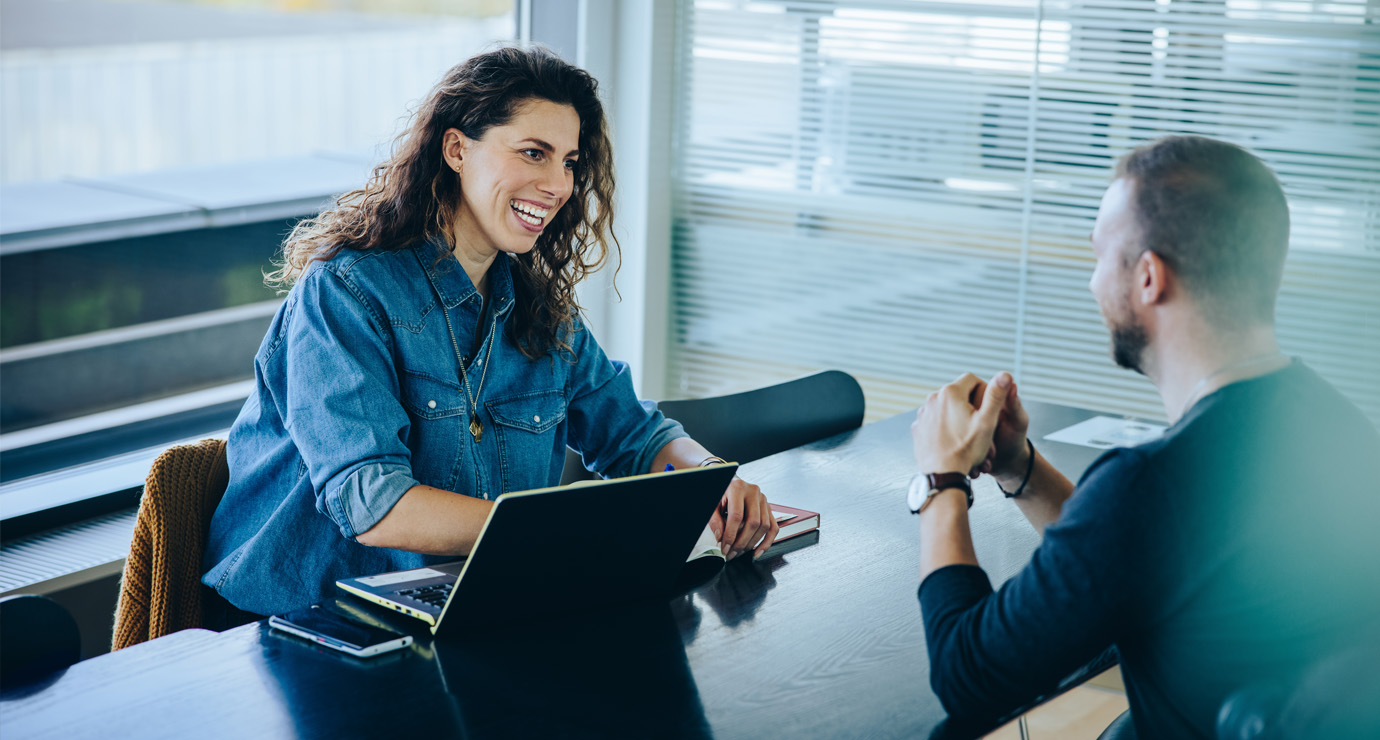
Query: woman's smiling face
515, 178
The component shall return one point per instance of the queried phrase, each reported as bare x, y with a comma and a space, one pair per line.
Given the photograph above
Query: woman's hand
743, 521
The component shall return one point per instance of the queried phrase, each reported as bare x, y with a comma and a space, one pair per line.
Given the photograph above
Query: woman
430, 346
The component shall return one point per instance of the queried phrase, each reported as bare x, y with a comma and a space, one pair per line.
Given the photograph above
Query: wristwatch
924, 487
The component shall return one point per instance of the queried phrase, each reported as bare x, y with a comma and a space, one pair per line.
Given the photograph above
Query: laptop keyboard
433, 595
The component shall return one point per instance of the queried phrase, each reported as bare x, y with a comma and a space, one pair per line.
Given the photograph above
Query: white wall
628, 45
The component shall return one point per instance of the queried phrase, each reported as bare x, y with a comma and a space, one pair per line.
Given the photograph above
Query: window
154, 156
904, 190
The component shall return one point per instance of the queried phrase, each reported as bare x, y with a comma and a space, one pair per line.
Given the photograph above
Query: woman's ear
453, 145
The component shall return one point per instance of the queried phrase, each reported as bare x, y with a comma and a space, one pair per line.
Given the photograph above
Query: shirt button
536, 419
431, 404
479, 363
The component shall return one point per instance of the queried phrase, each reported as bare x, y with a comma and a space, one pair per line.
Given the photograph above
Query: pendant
476, 429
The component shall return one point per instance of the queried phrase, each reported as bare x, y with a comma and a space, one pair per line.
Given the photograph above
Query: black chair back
751, 425
747, 426
38, 637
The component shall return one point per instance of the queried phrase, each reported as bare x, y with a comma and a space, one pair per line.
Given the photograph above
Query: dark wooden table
823, 641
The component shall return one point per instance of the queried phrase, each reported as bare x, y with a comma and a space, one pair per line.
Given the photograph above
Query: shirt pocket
528, 430
437, 413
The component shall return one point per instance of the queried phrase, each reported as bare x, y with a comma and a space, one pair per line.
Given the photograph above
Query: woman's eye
572, 164
533, 154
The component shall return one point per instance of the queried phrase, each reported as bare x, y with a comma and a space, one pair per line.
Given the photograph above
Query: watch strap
939, 482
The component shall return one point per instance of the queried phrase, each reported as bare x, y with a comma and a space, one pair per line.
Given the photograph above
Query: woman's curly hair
415, 196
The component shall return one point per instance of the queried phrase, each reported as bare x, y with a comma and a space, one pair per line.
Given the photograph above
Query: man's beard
1128, 345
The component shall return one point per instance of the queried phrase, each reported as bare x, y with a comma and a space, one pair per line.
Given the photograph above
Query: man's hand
1009, 454
743, 521
954, 431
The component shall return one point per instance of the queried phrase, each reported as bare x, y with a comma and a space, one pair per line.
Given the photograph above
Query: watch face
915, 496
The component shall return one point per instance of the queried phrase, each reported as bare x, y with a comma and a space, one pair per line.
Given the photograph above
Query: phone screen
333, 630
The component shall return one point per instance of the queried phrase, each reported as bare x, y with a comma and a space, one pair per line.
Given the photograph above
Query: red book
791, 521
706, 559
794, 522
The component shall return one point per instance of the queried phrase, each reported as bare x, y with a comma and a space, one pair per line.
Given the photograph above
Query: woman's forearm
680, 453
430, 521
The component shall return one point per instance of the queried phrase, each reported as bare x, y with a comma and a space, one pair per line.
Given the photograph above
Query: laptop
567, 548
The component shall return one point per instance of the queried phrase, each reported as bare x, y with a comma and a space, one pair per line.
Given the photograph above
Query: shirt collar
454, 286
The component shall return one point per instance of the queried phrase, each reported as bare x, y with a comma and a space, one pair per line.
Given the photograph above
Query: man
1239, 548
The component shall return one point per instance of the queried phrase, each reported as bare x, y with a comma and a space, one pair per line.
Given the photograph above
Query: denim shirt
359, 397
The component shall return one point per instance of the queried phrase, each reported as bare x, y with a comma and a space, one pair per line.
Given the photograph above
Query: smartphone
338, 632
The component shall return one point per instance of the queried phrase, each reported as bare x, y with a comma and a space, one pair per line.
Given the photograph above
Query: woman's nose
556, 181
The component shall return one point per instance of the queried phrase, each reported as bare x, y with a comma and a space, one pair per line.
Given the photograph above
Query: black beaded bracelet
1029, 467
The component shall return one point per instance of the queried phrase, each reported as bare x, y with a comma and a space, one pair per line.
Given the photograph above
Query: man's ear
453, 146
1154, 279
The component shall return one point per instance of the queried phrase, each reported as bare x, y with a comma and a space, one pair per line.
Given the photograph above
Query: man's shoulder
1150, 475
1120, 466
1259, 440
1330, 407
1293, 406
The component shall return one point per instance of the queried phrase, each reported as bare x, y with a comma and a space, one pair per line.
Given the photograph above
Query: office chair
1121, 728
39, 638
161, 590
747, 426
1334, 698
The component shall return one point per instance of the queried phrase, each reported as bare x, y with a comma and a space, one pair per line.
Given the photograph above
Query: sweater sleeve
991, 652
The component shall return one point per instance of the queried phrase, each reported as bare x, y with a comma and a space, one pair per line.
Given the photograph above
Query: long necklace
1249, 362
476, 426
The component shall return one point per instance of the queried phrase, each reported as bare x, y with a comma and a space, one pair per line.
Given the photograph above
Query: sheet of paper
1104, 432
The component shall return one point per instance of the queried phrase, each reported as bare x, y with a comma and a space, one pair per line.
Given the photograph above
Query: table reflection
738, 590
618, 674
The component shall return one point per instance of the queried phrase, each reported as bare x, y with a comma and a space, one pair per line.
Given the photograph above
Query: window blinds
904, 190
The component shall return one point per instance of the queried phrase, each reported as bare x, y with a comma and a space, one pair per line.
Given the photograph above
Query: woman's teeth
528, 212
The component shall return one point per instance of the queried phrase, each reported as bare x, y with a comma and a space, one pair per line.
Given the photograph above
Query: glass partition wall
904, 189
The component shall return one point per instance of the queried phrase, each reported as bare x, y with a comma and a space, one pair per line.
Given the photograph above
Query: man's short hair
1217, 216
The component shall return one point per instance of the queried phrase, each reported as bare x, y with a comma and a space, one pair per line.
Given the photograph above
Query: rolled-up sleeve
615, 433
341, 404
365, 496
